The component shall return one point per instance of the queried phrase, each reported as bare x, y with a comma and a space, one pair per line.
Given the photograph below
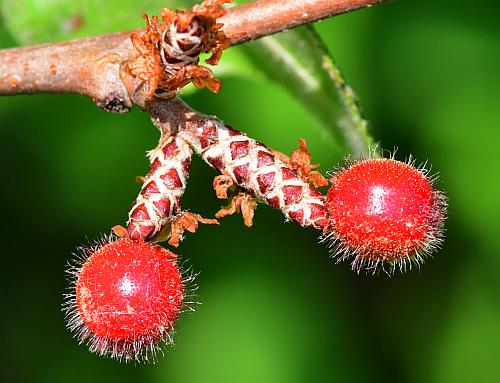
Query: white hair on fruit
144, 347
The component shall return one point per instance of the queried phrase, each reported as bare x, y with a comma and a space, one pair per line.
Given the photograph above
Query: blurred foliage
35, 21
275, 307
300, 61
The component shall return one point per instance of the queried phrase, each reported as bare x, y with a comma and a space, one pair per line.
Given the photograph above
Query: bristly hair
144, 349
433, 240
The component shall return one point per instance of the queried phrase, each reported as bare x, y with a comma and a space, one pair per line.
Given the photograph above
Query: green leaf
300, 61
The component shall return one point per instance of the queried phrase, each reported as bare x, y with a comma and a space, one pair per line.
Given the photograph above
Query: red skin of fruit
382, 209
129, 290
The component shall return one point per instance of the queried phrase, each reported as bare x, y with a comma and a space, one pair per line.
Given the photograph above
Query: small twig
90, 67
160, 197
94, 66
250, 164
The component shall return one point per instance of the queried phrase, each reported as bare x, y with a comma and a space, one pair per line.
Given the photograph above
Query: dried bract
168, 51
300, 161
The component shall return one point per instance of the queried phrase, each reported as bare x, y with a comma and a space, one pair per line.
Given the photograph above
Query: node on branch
168, 51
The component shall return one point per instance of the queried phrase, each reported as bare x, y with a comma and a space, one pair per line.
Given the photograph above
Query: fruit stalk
159, 199
250, 164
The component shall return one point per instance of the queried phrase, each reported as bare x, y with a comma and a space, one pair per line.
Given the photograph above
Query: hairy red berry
384, 213
125, 297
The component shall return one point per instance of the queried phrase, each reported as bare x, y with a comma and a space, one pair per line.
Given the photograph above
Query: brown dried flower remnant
222, 183
168, 51
241, 202
300, 161
186, 221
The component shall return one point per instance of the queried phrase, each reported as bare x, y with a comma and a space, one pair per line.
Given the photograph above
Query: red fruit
125, 298
384, 212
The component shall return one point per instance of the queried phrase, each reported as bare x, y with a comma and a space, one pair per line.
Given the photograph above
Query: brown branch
94, 66
265, 17
90, 66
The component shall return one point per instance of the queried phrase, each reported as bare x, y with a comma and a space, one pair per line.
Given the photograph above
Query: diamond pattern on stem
159, 199
255, 168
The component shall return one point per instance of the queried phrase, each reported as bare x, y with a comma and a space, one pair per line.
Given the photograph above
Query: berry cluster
126, 294
127, 291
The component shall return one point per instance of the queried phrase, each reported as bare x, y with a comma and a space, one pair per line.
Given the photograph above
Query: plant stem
265, 17
93, 66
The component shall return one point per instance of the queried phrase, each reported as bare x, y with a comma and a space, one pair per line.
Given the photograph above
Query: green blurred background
275, 307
